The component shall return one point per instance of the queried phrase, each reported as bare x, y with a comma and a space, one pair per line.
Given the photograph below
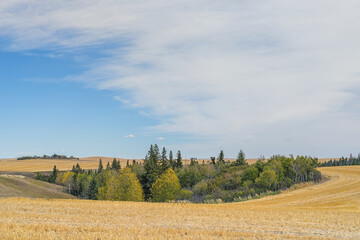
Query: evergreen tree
157, 152
221, 159
212, 160
116, 165
92, 189
100, 166
164, 163
108, 166
179, 163
193, 161
127, 163
53, 175
78, 168
240, 160
171, 160
152, 169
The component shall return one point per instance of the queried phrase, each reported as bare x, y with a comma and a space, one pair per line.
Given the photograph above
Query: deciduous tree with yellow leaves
166, 188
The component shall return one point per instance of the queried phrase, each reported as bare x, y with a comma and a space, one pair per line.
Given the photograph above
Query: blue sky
112, 77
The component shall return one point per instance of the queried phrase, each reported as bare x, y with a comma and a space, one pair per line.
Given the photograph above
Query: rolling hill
330, 210
22, 186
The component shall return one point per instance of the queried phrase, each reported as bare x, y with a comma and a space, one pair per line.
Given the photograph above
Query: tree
53, 175
192, 162
116, 165
266, 180
250, 174
240, 160
92, 189
123, 186
166, 188
221, 159
152, 170
164, 163
67, 180
171, 160
101, 167
179, 163
108, 166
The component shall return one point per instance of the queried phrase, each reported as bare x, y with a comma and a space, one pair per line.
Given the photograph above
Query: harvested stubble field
330, 210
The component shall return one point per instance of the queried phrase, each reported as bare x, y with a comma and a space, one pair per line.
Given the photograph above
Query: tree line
54, 156
343, 161
163, 177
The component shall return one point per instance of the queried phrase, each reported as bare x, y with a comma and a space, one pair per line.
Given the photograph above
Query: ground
330, 210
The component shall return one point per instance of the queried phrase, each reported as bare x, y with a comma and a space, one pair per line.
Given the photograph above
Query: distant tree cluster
343, 161
163, 177
54, 156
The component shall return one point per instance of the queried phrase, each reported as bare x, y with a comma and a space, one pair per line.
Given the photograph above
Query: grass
20, 186
330, 210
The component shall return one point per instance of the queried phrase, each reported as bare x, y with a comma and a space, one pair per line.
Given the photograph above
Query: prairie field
38, 165
330, 210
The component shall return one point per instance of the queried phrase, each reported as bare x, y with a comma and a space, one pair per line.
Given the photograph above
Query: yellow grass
35, 165
330, 210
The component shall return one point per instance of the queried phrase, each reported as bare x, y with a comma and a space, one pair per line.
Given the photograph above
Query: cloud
129, 136
234, 71
160, 138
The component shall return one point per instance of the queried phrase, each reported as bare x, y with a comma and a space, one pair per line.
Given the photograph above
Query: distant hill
21, 186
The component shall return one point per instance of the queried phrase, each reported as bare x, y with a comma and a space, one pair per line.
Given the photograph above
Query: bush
166, 187
185, 194
266, 180
123, 186
200, 188
251, 174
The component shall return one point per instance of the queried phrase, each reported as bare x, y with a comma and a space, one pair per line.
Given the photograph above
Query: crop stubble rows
330, 210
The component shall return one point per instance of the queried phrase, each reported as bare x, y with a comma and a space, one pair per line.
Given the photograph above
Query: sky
110, 77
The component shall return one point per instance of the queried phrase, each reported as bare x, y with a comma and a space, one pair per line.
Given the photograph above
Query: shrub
200, 188
166, 187
185, 194
123, 186
266, 179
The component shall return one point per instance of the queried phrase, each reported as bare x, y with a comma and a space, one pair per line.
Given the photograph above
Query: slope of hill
329, 210
21, 186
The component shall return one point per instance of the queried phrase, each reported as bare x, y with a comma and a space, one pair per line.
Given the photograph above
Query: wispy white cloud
160, 138
129, 136
234, 71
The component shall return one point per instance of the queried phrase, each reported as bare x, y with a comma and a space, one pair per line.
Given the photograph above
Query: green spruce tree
240, 160
53, 175
152, 169
101, 167
179, 163
172, 162
221, 159
164, 163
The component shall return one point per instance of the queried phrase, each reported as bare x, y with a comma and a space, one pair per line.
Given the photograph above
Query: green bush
166, 187
185, 194
200, 188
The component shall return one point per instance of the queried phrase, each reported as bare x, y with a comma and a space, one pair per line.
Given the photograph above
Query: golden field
38, 165
330, 210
